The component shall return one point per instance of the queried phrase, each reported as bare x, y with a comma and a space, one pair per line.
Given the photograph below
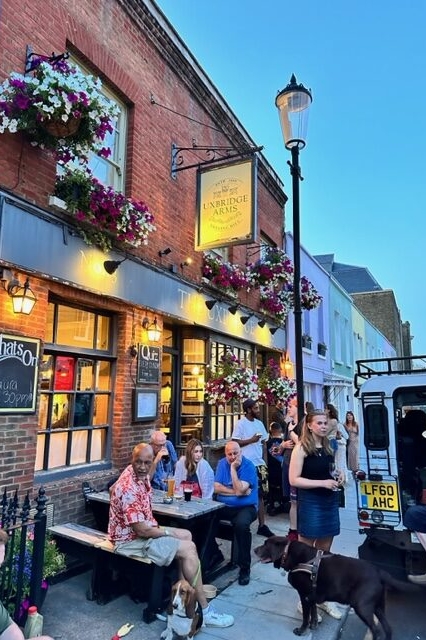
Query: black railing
25, 552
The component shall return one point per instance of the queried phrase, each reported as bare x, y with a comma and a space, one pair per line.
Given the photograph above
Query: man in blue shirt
236, 487
165, 458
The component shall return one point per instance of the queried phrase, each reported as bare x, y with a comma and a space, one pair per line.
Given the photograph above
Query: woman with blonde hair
194, 469
317, 491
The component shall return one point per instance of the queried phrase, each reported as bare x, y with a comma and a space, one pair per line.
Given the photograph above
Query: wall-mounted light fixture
152, 329
111, 266
245, 319
233, 309
186, 263
23, 297
261, 323
164, 252
210, 304
273, 330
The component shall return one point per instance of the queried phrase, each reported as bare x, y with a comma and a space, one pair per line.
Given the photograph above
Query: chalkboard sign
19, 362
148, 364
145, 404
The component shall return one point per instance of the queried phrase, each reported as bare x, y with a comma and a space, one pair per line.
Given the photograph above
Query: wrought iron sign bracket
53, 59
212, 154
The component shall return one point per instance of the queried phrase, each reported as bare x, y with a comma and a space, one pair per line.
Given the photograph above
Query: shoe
292, 535
300, 610
264, 530
244, 577
214, 619
419, 579
331, 609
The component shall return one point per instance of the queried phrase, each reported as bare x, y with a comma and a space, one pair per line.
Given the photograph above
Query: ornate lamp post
293, 104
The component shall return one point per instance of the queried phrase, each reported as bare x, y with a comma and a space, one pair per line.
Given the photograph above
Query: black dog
338, 579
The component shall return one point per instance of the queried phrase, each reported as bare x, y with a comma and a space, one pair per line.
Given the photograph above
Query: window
192, 391
110, 171
76, 382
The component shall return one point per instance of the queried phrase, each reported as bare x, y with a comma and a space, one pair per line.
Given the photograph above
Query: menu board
19, 362
148, 370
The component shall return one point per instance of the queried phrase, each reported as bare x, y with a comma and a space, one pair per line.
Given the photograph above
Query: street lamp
293, 104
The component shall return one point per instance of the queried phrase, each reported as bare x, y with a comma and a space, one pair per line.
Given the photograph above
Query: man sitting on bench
9, 630
134, 531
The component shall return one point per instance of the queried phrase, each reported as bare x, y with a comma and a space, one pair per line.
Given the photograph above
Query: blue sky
363, 194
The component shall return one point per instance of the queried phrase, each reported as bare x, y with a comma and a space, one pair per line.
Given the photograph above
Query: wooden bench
93, 547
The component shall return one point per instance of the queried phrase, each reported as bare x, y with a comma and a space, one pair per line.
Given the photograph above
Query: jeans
241, 518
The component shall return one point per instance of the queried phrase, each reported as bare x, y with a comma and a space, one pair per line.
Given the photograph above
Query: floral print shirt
130, 502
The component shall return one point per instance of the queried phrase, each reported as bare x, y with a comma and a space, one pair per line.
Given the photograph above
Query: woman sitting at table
193, 468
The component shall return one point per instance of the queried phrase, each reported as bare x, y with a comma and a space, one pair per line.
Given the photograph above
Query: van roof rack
366, 369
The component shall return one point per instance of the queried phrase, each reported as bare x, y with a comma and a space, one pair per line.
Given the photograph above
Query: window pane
46, 368
43, 409
100, 412
85, 370
98, 445
75, 327
79, 447
103, 376
64, 374
49, 322
102, 338
41, 439
60, 411
83, 409
57, 450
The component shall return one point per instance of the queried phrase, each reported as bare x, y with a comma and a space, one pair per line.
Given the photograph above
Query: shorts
161, 551
5, 619
262, 476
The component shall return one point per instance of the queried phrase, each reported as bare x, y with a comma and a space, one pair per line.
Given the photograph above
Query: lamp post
293, 104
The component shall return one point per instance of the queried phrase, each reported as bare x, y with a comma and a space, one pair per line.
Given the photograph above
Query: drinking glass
334, 472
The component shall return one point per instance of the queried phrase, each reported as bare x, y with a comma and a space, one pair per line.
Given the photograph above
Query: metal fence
23, 565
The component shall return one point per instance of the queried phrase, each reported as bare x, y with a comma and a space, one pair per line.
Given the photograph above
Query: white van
392, 460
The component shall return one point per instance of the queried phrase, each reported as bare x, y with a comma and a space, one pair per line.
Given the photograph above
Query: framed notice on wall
145, 404
19, 363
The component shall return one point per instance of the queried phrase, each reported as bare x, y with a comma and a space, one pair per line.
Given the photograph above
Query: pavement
265, 608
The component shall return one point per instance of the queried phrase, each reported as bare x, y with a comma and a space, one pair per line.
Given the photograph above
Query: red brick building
92, 398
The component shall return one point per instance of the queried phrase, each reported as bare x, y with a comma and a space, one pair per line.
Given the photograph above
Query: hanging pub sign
148, 369
226, 205
19, 362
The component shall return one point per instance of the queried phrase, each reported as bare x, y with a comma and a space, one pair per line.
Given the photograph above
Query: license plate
379, 495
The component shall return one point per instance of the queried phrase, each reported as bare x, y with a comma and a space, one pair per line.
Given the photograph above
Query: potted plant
274, 269
224, 275
53, 564
273, 386
322, 349
306, 341
106, 215
59, 107
230, 380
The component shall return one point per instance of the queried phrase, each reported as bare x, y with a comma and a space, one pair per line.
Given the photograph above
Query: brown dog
184, 614
338, 579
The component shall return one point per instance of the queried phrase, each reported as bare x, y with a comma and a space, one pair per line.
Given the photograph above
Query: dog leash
197, 575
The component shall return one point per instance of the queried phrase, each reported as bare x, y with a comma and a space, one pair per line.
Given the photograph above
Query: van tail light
360, 475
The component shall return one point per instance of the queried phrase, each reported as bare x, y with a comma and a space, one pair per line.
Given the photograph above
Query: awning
335, 381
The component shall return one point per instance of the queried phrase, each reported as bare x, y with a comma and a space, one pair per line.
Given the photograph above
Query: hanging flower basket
59, 129
59, 108
274, 269
228, 277
273, 386
106, 216
276, 303
230, 380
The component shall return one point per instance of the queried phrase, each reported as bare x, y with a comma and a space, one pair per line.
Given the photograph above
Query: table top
195, 508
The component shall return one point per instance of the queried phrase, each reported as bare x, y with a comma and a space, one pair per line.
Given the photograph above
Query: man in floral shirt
134, 530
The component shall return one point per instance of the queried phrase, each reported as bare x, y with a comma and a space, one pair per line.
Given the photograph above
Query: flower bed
59, 107
230, 380
107, 214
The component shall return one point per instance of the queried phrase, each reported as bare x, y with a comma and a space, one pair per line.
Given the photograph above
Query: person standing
251, 435
165, 458
133, 530
236, 486
333, 425
352, 429
317, 492
291, 437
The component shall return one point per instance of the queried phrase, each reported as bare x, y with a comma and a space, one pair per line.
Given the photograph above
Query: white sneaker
300, 610
331, 609
419, 579
214, 619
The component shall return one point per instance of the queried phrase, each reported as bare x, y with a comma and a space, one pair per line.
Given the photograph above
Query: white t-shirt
245, 429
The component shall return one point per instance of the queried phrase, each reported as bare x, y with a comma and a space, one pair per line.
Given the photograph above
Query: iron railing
24, 556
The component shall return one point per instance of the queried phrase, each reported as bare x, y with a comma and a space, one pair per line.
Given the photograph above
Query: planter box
307, 342
57, 203
322, 349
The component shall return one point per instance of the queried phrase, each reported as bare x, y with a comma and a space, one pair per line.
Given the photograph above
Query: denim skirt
318, 513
